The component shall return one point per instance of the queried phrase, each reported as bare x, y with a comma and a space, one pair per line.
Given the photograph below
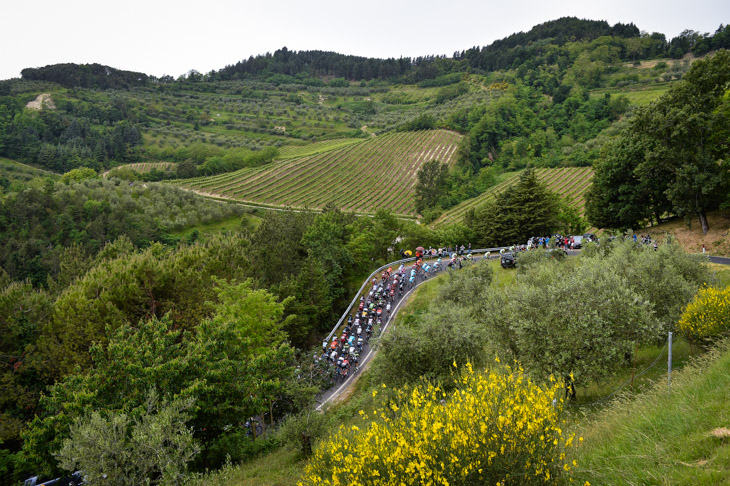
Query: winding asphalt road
369, 351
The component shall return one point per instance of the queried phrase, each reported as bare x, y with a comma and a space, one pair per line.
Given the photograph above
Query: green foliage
23, 310
86, 76
236, 447
39, 222
431, 181
451, 92
64, 139
526, 209
630, 294
116, 449
672, 156
121, 291
421, 122
669, 430
236, 160
232, 367
447, 333
78, 175
306, 429
444, 80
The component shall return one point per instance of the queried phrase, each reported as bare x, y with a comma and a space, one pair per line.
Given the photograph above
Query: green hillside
377, 173
144, 167
570, 182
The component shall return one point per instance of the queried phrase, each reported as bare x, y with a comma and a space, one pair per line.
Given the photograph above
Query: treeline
40, 223
95, 76
672, 157
547, 44
67, 138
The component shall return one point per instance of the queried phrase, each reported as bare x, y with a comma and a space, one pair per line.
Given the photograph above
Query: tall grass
677, 436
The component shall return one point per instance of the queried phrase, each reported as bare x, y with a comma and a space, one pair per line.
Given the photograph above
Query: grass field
377, 173
571, 183
17, 172
663, 437
640, 95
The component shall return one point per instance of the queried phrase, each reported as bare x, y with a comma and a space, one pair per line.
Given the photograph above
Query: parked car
508, 260
576, 242
588, 237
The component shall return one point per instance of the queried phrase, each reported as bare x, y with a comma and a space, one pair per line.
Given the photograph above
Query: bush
495, 428
528, 259
707, 317
237, 447
116, 449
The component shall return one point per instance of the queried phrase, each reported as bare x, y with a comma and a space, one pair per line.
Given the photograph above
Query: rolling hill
570, 182
361, 177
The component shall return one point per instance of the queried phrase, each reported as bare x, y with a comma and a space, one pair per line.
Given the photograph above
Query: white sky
160, 37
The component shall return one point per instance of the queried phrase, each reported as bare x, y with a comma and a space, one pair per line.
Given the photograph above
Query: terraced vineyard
144, 167
571, 183
361, 177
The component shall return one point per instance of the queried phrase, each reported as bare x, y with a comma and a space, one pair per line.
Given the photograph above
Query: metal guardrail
387, 265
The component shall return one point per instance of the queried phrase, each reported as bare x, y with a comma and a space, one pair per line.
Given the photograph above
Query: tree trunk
271, 413
703, 222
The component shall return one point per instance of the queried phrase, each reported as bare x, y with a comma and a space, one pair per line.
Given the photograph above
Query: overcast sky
160, 37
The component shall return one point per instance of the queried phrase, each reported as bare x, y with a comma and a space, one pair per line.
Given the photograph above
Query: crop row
365, 176
570, 182
144, 167
291, 151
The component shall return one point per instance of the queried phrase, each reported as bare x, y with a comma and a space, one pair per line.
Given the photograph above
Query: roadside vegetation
136, 314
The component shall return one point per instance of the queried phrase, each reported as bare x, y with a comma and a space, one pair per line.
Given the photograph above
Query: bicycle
249, 431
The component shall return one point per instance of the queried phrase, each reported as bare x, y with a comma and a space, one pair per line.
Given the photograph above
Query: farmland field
570, 182
292, 151
144, 167
361, 177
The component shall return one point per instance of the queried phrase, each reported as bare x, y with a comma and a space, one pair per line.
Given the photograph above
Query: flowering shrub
494, 428
707, 316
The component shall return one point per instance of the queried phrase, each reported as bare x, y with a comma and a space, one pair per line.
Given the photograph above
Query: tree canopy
673, 156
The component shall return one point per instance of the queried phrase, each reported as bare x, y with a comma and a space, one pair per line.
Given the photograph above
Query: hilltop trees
672, 157
526, 209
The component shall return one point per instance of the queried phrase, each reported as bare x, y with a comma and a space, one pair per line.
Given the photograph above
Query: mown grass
663, 437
